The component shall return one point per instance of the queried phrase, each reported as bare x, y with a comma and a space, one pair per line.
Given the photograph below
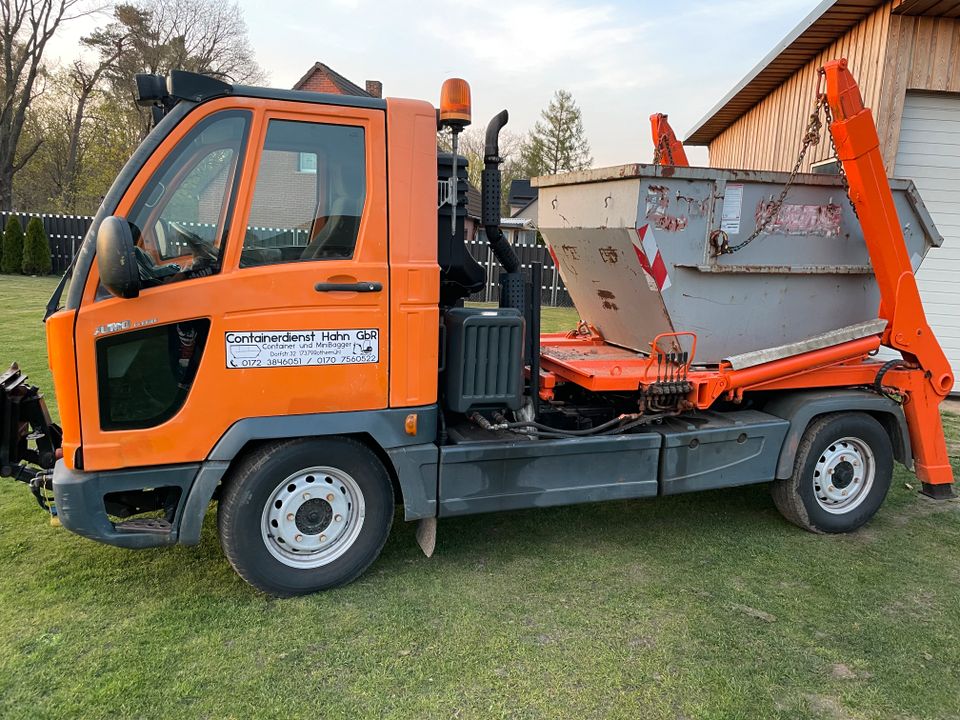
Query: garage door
929, 154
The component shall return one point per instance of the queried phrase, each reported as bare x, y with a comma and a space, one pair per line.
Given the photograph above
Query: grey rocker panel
718, 450
486, 477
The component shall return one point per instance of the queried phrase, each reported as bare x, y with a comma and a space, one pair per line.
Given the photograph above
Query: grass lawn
697, 606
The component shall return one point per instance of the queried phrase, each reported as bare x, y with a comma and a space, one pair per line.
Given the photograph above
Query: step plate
144, 525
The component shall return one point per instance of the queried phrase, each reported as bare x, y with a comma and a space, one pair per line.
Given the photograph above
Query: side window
309, 195
179, 220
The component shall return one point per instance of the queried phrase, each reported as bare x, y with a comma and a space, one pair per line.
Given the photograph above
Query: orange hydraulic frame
667, 150
923, 379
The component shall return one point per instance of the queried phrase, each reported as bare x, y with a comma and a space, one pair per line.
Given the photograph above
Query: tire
304, 515
841, 474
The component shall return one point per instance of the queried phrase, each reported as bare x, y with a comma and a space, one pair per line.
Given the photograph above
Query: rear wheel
305, 515
841, 474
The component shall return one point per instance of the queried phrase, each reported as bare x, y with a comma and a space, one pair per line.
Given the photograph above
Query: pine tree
36, 250
557, 142
12, 246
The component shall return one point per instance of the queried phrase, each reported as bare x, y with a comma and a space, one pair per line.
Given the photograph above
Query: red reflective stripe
657, 268
644, 263
659, 271
641, 254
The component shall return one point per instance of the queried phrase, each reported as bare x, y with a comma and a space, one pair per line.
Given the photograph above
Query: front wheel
304, 515
841, 474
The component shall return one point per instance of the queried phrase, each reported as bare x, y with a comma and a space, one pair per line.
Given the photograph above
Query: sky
621, 60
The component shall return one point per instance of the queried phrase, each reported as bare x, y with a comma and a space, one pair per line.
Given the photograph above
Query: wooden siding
829, 20
768, 136
947, 8
923, 53
889, 53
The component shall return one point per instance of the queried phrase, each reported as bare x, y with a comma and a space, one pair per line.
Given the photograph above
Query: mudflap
29, 440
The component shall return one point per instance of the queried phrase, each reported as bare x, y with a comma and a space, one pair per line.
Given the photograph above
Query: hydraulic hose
616, 426
574, 433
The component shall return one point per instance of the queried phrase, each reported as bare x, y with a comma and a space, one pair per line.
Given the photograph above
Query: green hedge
36, 250
12, 247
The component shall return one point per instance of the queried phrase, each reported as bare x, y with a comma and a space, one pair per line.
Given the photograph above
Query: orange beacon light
455, 103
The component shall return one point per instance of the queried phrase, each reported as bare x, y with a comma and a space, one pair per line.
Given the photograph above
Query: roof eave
702, 133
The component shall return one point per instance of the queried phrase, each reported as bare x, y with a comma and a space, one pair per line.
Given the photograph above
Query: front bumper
82, 503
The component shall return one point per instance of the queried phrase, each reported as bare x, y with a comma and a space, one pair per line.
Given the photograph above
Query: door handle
348, 287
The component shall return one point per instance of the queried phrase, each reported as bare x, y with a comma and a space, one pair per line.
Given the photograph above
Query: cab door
262, 231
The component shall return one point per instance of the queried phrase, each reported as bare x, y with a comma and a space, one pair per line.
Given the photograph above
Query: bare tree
83, 82
471, 145
204, 36
26, 27
88, 118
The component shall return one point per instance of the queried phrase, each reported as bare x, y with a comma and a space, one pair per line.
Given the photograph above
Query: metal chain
772, 210
828, 116
662, 144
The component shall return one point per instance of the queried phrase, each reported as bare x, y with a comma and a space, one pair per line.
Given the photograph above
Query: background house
905, 55
323, 78
520, 195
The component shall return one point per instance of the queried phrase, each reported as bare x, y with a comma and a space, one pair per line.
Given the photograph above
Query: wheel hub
843, 475
312, 517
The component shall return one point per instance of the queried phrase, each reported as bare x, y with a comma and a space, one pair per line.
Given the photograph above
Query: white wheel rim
312, 517
844, 475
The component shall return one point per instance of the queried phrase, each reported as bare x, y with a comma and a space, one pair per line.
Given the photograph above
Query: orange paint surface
668, 150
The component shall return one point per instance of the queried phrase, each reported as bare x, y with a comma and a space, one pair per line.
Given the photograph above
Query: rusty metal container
636, 248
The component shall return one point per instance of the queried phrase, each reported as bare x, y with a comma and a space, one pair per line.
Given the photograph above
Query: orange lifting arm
667, 150
928, 378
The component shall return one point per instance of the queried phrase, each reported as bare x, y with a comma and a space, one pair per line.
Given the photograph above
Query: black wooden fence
552, 291
64, 232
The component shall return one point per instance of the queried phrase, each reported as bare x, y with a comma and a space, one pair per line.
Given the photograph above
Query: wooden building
905, 55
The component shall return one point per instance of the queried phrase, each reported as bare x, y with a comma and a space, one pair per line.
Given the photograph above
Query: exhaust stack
490, 180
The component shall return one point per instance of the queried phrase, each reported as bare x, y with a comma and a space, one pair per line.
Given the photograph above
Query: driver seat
338, 235
336, 231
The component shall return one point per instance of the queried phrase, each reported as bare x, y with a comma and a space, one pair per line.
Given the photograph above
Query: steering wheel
200, 248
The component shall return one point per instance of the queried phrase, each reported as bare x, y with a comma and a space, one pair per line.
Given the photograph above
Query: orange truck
268, 313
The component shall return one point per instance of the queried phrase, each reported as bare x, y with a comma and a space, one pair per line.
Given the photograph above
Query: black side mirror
117, 259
